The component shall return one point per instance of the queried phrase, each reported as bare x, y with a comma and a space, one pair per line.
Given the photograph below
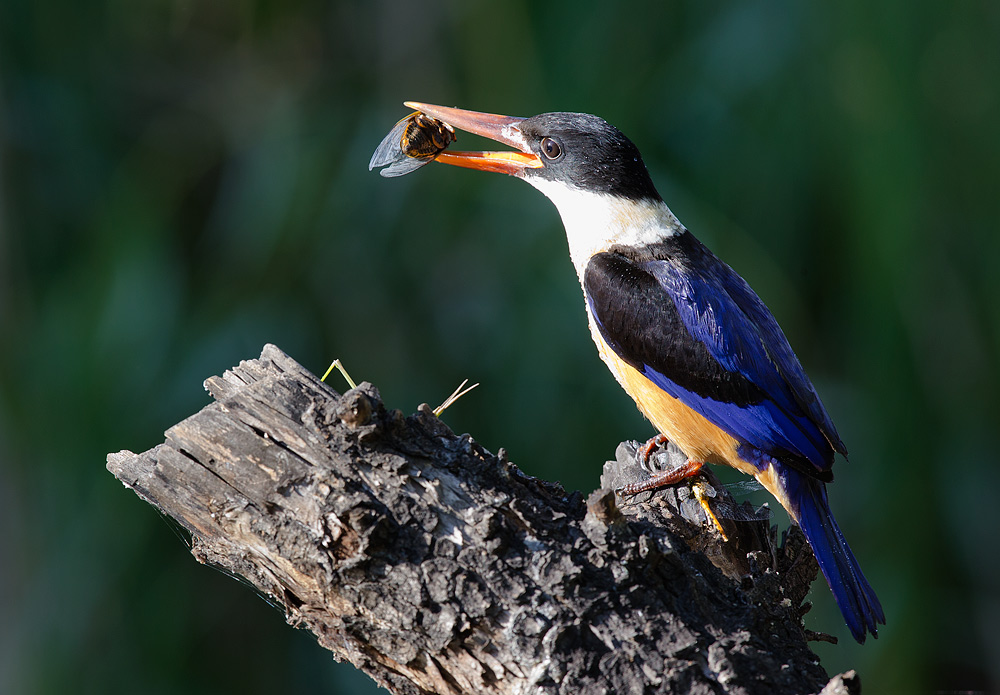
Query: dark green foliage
181, 182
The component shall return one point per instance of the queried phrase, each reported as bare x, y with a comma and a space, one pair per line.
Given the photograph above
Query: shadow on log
436, 567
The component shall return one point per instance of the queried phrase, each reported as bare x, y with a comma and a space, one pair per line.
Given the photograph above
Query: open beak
500, 128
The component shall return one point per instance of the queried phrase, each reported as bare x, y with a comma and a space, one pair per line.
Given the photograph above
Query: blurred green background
183, 182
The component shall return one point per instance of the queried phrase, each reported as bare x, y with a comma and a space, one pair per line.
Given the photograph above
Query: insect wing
741, 512
389, 153
405, 166
729, 509
744, 511
743, 487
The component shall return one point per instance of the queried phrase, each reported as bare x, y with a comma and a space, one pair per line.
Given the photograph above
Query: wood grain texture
437, 567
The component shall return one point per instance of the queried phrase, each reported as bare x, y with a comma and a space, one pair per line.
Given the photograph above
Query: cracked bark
437, 567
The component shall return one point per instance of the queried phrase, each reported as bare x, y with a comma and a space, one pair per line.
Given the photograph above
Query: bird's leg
663, 478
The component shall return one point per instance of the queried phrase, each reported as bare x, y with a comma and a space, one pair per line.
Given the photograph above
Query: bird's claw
663, 478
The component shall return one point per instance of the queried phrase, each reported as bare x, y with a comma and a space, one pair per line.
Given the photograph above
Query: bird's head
572, 149
587, 167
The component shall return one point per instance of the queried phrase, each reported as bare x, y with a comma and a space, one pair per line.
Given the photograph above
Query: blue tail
854, 595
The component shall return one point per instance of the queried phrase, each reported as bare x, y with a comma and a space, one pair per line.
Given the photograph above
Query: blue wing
696, 329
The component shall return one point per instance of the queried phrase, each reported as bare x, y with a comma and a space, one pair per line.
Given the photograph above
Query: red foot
663, 479
650, 446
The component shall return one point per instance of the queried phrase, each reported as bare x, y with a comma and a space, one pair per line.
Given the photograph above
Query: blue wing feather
694, 313
781, 354
720, 310
695, 328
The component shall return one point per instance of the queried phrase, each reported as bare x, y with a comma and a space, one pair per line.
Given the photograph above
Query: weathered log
437, 567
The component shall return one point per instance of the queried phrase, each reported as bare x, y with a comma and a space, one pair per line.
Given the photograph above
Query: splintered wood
436, 567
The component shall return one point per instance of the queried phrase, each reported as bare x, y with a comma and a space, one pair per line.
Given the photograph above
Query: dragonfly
696, 490
728, 508
714, 505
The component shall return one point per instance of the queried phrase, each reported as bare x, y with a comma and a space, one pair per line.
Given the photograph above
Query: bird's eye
551, 148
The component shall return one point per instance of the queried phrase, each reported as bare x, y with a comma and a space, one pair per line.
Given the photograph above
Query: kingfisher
684, 335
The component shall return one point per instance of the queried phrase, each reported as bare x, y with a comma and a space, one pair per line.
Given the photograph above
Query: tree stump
437, 567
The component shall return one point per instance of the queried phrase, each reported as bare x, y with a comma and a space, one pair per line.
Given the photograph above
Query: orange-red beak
495, 127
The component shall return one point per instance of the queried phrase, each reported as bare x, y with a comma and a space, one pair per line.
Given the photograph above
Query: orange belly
690, 431
693, 434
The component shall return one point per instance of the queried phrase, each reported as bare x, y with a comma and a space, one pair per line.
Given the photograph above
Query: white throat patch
595, 222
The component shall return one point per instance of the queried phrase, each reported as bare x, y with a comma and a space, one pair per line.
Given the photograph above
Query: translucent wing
413, 142
667, 456
726, 507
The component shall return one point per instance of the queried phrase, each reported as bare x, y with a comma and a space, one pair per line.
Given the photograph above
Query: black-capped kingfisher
681, 331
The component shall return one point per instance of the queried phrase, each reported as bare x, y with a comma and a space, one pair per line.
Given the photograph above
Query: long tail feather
854, 595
